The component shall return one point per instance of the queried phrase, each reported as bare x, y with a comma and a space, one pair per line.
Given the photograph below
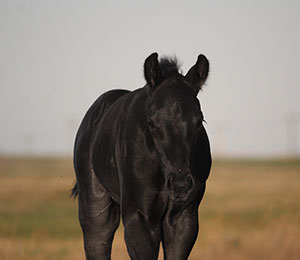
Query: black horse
144, 155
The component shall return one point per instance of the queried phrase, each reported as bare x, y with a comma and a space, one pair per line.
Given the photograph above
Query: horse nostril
170, 184
181, 184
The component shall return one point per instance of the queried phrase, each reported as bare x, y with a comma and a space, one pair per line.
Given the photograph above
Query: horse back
87, 131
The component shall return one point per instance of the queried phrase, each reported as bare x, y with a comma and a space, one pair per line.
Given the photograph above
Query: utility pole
27, 141
292, 135
71, 125
221, 139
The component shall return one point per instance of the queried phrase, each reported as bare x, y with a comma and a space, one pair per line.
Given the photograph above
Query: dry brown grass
250, 211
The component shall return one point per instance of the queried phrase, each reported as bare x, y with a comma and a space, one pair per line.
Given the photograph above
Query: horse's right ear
197, 74
152, 70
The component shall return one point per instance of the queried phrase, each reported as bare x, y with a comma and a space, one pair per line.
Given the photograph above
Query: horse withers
144, 155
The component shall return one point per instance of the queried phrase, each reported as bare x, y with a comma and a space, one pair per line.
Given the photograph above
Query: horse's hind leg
99, 218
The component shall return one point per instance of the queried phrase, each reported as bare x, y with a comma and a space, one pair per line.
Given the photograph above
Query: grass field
251, 210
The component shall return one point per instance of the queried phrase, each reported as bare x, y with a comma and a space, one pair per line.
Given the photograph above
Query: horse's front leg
180, 230
142, 239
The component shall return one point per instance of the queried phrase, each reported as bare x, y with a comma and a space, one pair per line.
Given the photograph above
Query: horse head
174, 121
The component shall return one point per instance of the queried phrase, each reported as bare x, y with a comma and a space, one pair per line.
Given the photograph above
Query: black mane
169, 66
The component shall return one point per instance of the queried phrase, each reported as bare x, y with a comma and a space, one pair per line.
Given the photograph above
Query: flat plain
251, 210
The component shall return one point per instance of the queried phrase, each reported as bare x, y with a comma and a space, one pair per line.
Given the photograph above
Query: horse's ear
152, 70
197, 74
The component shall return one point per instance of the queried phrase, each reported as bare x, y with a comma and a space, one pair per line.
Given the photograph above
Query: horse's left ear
152, 70
197, 74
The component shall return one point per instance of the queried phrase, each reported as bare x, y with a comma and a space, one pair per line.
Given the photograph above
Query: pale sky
57, 57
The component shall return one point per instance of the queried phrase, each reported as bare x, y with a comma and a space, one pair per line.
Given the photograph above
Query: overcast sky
57, 57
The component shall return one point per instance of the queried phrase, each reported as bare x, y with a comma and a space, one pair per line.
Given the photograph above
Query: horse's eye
150, 124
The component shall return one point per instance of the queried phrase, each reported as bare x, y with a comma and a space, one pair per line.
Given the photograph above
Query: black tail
75, 191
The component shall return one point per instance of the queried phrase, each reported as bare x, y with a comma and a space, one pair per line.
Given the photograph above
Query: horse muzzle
180, 186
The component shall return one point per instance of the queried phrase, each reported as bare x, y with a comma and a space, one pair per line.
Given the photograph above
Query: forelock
169, 66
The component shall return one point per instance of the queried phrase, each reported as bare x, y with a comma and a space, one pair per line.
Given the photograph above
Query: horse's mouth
179, 198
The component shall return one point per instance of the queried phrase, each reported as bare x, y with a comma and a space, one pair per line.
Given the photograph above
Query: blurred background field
57, 57
250, 211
